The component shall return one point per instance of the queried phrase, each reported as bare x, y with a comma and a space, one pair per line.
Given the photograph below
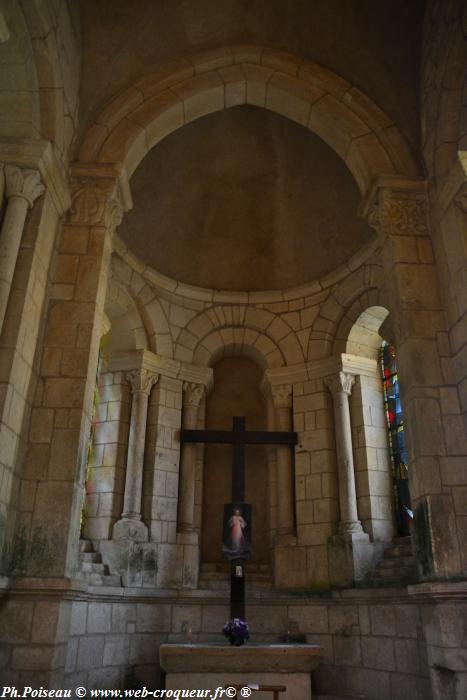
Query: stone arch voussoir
238, 341
148, 307
372, 298
183, 90
118, 297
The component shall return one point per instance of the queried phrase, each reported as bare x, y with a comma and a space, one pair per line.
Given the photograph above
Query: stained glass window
397, 446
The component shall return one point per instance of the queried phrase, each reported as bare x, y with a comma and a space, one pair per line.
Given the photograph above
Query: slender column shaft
282, 400
341, 387
192, 395
22, 188
129, 525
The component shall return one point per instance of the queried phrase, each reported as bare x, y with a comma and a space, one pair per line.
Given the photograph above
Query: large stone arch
40, 85
349, 298
236, 326
236, 341
182, 90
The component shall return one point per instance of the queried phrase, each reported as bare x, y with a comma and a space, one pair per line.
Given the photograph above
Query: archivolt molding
180, 293
236, 341
370, 298
235, 326
356, 289
182, 90
148, 306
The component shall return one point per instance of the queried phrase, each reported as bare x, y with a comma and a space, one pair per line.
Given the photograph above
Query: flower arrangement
236, 631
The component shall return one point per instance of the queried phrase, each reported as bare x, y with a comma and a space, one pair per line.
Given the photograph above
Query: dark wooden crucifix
239, 437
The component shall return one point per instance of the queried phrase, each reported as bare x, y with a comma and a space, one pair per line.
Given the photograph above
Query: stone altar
196, 666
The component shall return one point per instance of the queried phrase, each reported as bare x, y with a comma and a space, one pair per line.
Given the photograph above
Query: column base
351, 531
351, 557
129, 529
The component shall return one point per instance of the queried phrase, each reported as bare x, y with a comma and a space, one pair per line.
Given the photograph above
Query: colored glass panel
396, 436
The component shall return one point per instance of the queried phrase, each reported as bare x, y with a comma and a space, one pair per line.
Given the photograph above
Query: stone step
86, 546
392, 562
88, 567
399, 575
399, 550
93, 557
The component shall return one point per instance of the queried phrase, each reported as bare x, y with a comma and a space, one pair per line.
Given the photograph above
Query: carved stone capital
105, 324
96, 202
192, 393
282, 396
340, 383
142, 381
399, 213
24, 183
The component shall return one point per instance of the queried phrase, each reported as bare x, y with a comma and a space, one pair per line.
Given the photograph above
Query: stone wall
374, 642
444, 121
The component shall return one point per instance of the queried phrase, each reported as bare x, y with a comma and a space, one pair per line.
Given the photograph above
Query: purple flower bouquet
236, 631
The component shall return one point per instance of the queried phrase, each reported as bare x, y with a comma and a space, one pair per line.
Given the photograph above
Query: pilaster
399, 210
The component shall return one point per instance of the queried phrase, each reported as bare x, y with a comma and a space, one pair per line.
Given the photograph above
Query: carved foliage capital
95, 203
340, 383
192, 393
142, 380
23, 182
398, 213
282, 396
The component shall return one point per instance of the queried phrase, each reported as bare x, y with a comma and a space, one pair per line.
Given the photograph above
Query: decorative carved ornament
95, 203
192, 393
282, 396
340, 383
24, 183
142, 381
400, 213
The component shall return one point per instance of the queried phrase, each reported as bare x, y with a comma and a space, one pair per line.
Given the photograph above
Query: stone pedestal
351, 557
203, 666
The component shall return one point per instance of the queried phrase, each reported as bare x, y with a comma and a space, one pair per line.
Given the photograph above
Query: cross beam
238, 437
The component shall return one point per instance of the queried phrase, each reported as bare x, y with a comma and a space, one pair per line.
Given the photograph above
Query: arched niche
236, 392
373, 476
126, 331
365, 338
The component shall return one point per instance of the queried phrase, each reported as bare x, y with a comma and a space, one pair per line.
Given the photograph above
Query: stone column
282, 401
130, 525
192, 396
22, 189
340, 386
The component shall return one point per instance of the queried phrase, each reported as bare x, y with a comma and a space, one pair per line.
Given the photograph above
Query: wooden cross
239, 438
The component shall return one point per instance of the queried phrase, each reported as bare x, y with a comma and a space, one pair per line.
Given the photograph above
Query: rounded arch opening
236, 392
184, 90
365, 337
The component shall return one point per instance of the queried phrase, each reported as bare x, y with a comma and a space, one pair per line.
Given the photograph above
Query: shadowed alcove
236, 392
